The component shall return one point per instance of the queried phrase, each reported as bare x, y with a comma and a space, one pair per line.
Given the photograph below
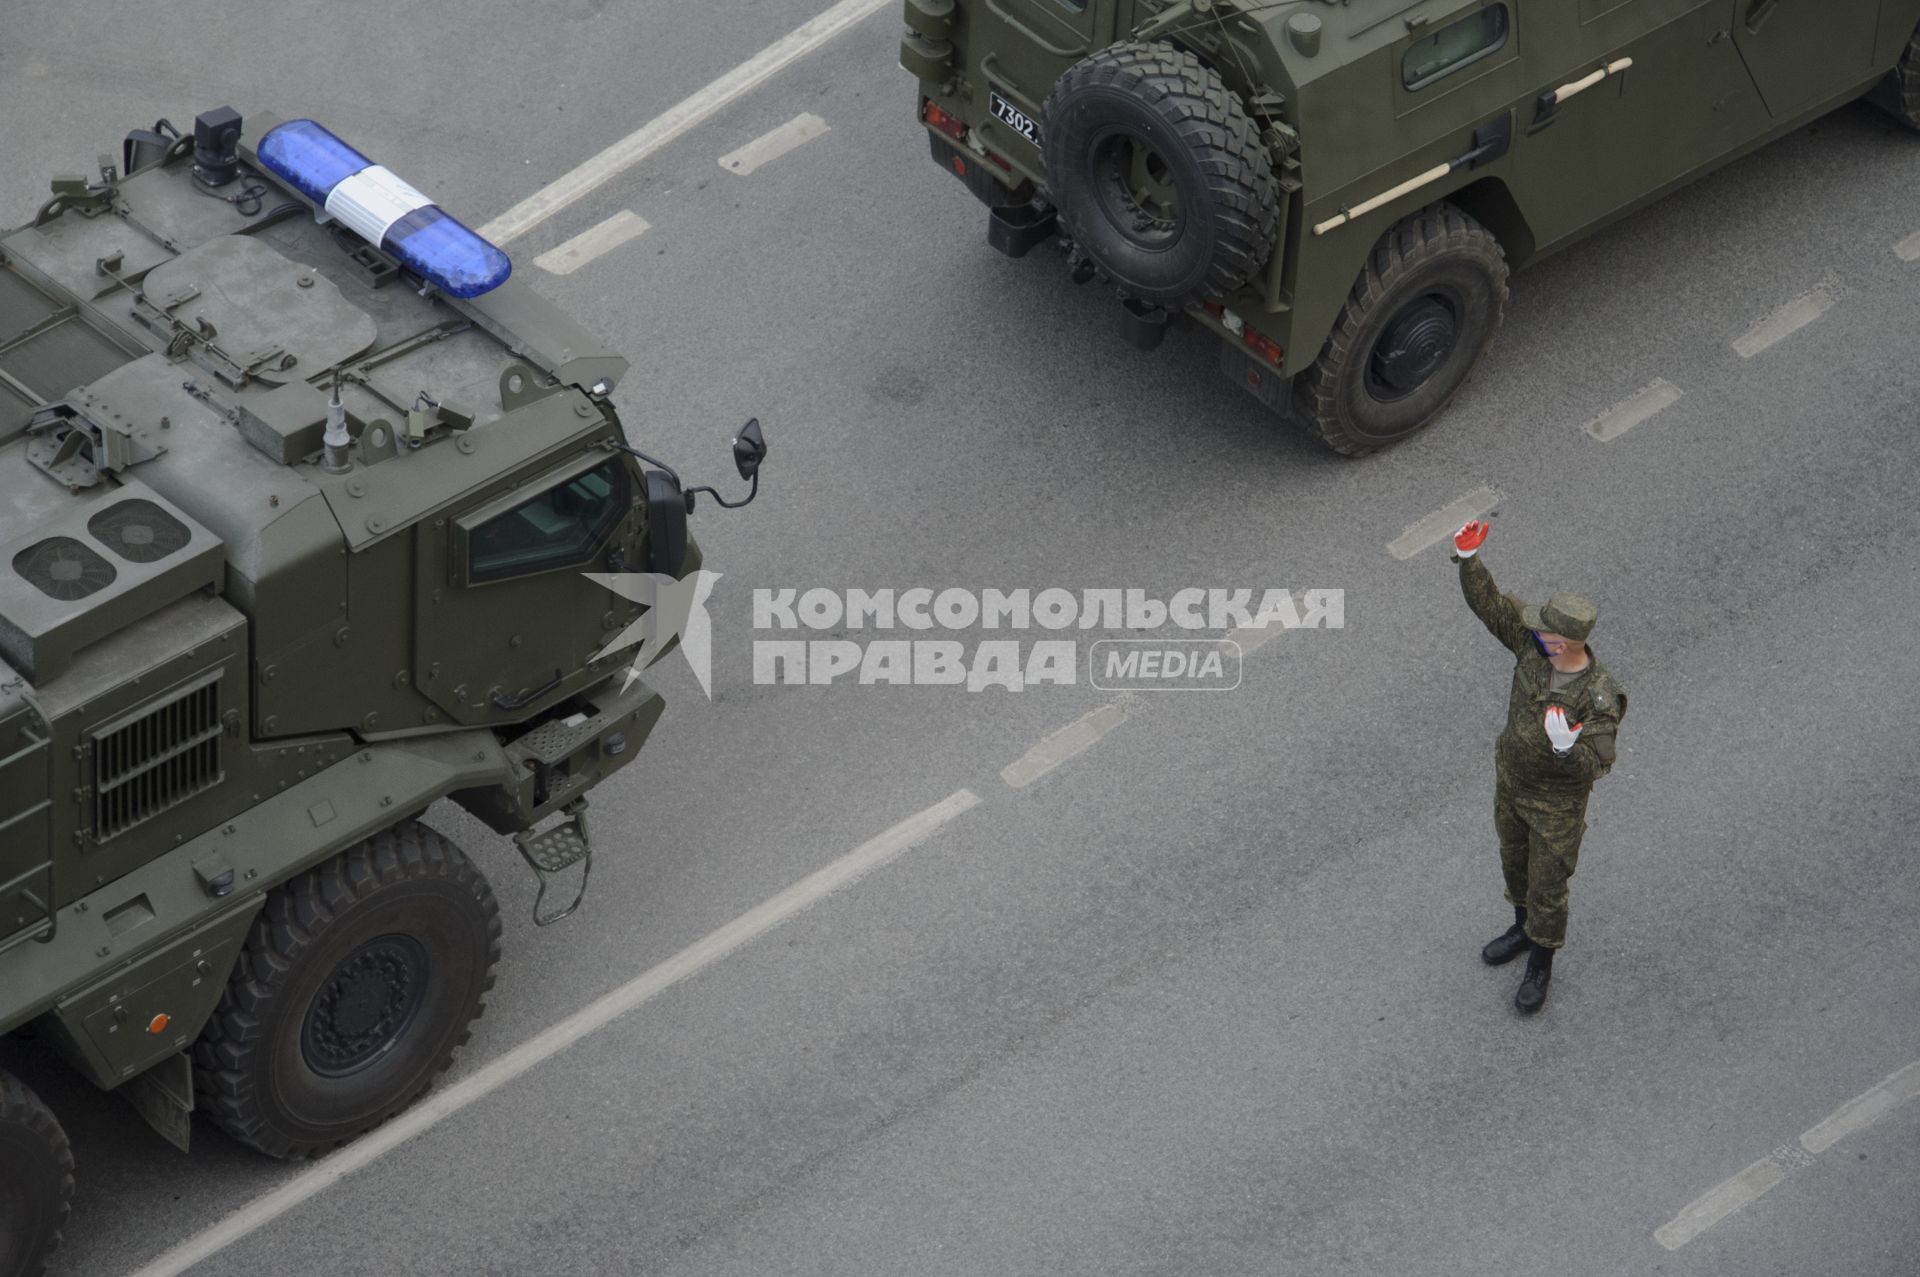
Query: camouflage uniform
1540, 798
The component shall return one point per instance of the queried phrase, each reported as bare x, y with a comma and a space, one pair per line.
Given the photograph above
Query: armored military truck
300, 490
1338, 188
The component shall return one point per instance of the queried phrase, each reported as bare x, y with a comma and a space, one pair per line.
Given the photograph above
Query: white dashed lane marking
798, 131
1742, 1190
1908, 249
1862, 1111
1074, 739
1785, 322
1257, 633
677, 119
1443, 522
589, 244
1625, 415
1720, 1201
596, 1015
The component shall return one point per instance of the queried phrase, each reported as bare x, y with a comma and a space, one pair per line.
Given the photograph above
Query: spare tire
1159, 173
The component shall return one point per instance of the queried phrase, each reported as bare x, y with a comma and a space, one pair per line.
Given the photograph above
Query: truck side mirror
749, 448
666, 524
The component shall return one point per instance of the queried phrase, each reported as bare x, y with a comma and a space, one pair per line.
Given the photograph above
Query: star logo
676, 607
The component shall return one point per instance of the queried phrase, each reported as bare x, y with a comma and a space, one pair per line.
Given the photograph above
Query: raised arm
1500, 613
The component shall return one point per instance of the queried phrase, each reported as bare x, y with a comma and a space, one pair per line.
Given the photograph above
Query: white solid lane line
1908, 249
1443, 522
1719, 1202
798, 131
596, 1015
1786, 321
677, 119
589, 244
1862, 1111
1656, 398
1074, 739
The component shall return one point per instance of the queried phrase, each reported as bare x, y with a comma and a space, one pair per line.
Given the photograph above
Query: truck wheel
1419, 317
1899, 93
358, 981
1159, 174
36, 1181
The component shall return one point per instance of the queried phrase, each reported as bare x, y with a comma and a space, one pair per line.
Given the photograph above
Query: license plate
1013, 117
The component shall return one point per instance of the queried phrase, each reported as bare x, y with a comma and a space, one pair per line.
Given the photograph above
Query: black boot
1509, 944
1533, 988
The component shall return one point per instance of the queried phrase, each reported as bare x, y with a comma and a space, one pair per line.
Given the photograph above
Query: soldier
1562, 716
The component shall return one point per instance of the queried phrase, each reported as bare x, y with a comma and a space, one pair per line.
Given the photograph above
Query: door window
561, 526
1455, 46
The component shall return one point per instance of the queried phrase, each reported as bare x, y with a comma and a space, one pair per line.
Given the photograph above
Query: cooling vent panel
64, 569
157, 760
138, 531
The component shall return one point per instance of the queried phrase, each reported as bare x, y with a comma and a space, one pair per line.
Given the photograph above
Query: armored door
515, 620
1805, 53
1629, 99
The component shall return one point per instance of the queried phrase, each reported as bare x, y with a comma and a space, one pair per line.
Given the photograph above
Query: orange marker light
951, 125
1265, 347
159, 1023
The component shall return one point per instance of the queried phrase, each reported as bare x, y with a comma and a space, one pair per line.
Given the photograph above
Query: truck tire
359, 980
1159, 174
1899, 93
1420, 316
36, 1181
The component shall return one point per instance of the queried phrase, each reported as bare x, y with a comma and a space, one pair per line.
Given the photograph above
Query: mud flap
1257, 377
163, 1096
554, 850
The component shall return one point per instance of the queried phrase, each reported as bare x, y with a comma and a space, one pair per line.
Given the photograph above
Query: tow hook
1143, 324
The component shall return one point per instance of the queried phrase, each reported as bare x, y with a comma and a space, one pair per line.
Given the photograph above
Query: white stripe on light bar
372, 200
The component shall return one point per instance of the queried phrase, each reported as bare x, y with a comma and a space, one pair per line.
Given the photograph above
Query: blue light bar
383, 209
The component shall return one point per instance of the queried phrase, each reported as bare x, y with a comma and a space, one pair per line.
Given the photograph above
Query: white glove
1558, 732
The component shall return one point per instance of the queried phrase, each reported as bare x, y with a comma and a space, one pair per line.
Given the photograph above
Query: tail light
1265, 347
951, 125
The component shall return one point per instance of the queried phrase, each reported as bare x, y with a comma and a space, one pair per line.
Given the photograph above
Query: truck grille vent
139, 531
62, 568
145, 765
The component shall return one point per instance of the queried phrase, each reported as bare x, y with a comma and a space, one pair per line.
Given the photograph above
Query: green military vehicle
299, 497
1338, 188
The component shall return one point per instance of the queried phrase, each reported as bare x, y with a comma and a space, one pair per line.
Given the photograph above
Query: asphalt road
1205, 997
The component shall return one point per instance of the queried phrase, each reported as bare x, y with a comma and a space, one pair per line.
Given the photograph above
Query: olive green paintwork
1710, 80
309, 660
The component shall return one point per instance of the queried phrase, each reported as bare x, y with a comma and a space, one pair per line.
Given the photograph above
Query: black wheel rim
1416, 343
1135, 189
366, 1006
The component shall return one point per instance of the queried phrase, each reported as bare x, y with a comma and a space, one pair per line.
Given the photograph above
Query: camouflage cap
1567, 615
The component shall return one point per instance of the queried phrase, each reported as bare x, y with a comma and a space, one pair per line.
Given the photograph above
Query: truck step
554, 850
